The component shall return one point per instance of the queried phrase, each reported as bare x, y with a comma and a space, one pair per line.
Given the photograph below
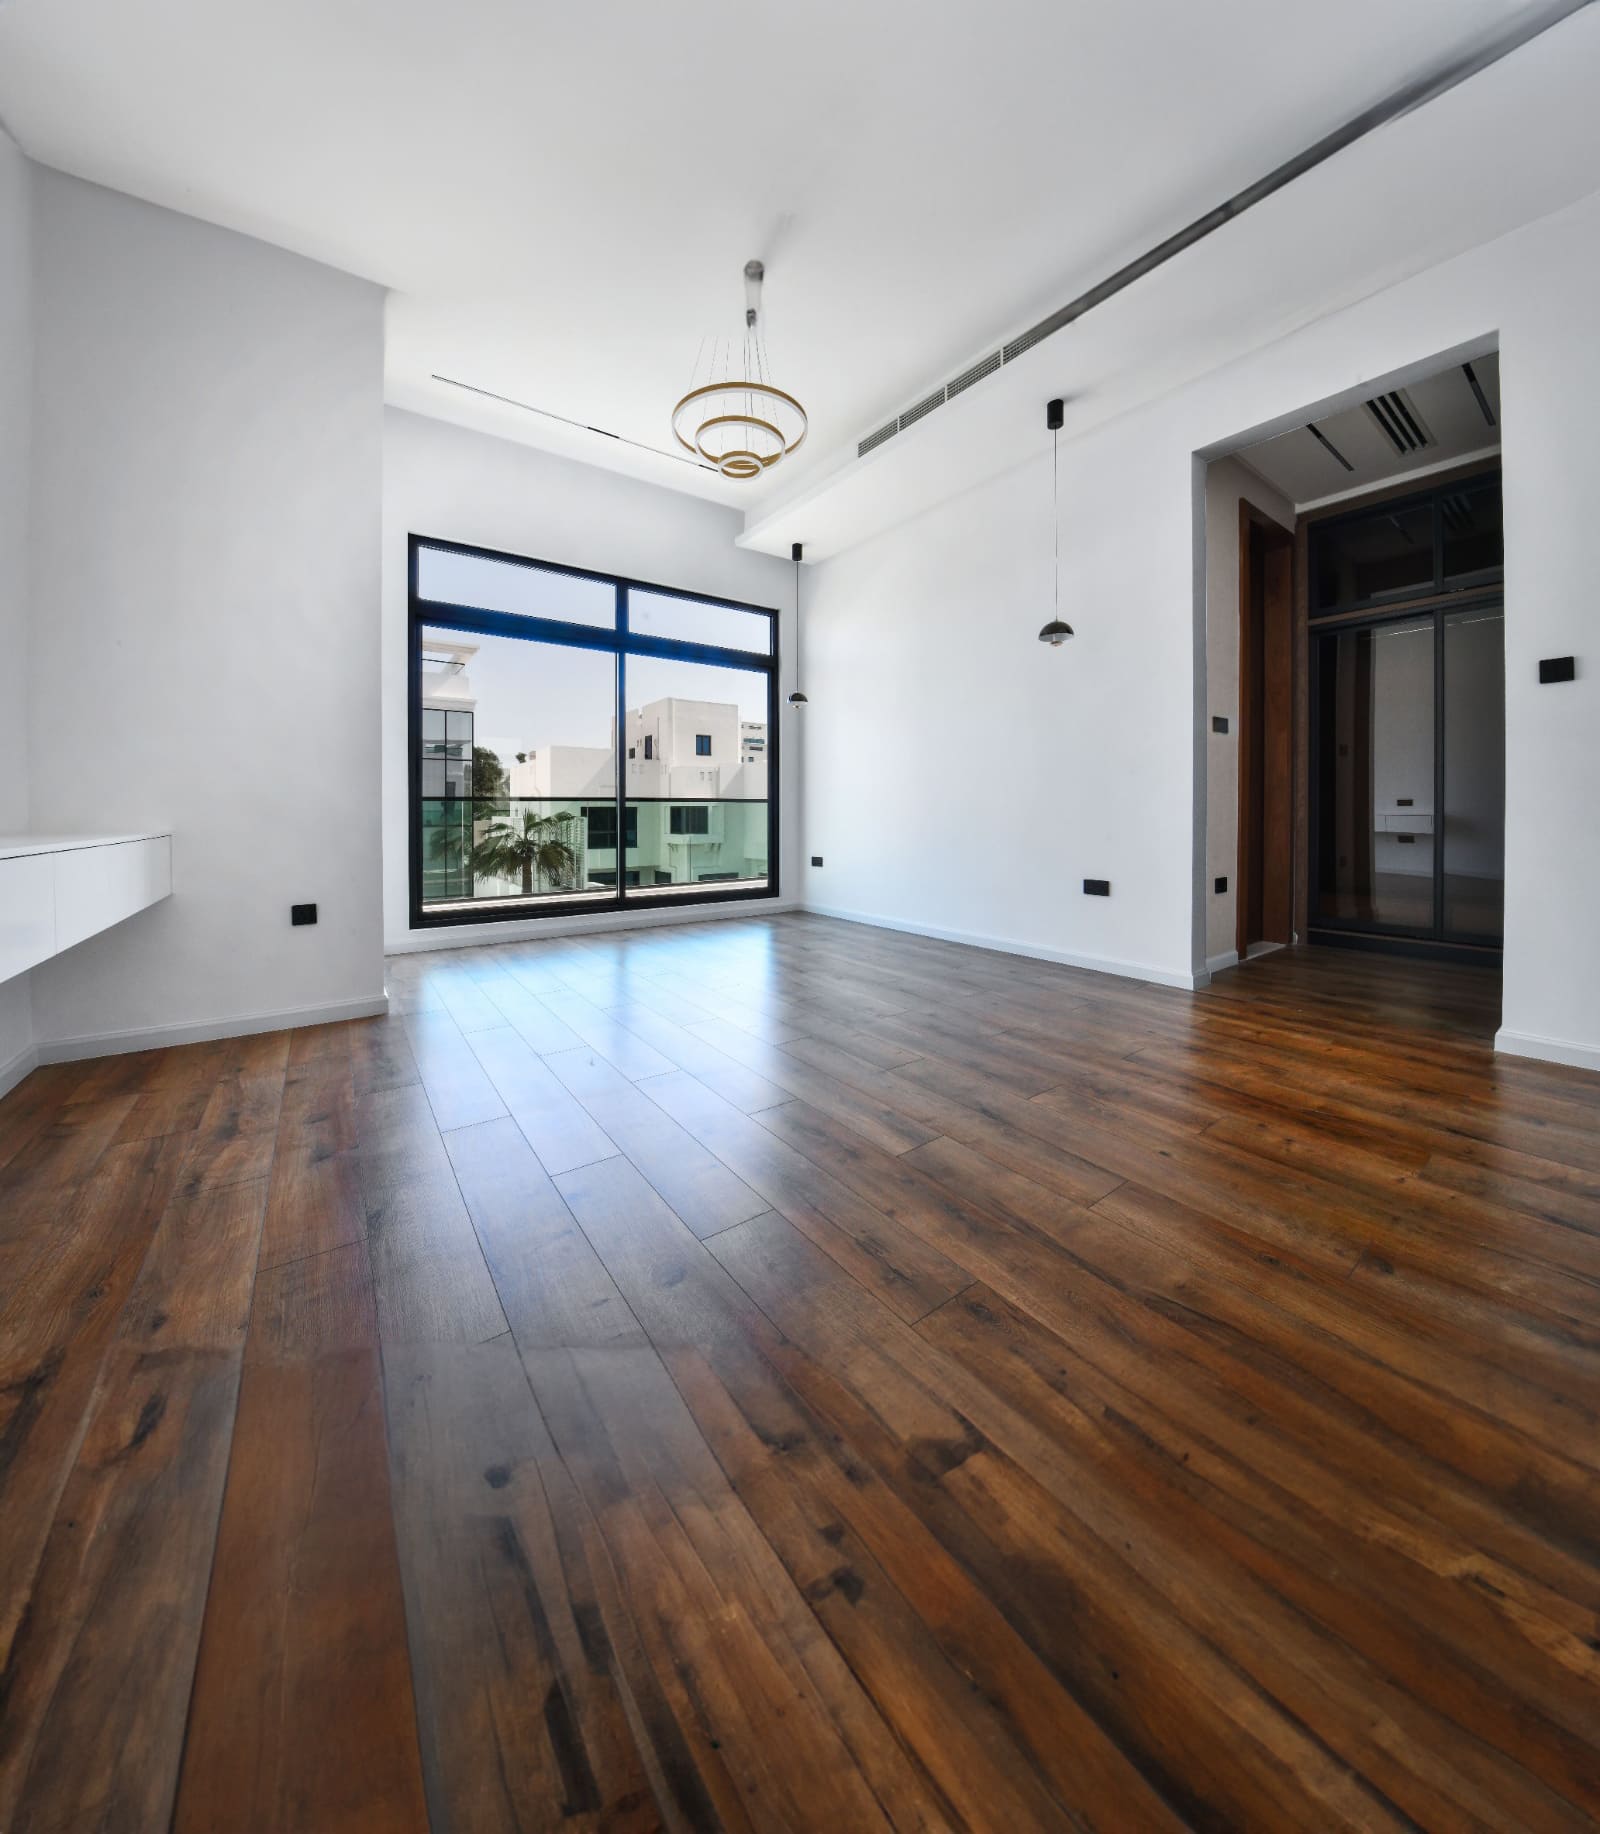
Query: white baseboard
1548, 1050
1215, 964
155, 1038
1098, 964
15, 1068
470, 935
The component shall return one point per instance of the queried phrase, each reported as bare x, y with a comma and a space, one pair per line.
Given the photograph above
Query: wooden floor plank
99, 1672
301, 1715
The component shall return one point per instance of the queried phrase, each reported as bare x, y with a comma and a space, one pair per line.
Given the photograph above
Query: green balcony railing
517, 848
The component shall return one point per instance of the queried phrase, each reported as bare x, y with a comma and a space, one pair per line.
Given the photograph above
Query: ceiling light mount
737, 420
1056, 632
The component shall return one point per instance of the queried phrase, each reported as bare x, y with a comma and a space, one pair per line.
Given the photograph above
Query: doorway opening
1370, 685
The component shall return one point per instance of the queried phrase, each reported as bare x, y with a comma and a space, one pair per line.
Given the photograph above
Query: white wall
1228, 483
450, 482
207, 502
963, 778
16, 373
925, 636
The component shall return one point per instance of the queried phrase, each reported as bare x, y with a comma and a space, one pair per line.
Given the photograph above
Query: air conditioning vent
926, 406
1400, 423
877, 439
1020, 345
976, 374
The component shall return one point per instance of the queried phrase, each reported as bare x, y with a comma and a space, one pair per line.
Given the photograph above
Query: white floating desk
58, 889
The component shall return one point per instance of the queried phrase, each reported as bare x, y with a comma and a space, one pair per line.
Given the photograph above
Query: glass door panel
1474, 773
518, 771
1375, 776
695, 746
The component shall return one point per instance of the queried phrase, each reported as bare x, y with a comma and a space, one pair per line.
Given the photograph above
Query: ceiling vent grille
924, 407
876, 439
1020, 345
976, 374
1400, 423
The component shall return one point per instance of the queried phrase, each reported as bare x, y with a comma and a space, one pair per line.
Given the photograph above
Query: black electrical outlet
1405, 802
1219, 885
302, 913
1406, 840
1219, 722
1097, 888
1558, 668
816, 859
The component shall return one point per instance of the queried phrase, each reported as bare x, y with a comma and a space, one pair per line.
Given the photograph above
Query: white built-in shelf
59, 889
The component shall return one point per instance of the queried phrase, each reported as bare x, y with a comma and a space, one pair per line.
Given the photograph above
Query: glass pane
510, 585
659, 614
1473, 542
1474, 773
1375, 814
503, 819
1387, 554
698, 820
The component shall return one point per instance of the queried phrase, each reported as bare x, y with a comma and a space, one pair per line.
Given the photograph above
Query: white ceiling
562, 197
1443, 408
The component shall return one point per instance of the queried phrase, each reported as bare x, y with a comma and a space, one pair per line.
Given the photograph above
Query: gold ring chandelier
740, 424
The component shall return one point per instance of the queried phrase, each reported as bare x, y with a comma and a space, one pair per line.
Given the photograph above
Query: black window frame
620, 642
702, 744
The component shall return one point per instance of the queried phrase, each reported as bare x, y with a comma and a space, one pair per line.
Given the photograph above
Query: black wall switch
1558, 668
1219, 885
816, 859
1219, 722
1097, 888
302, 913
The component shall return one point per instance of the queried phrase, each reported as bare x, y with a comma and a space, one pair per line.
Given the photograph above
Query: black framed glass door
1408, 775
584, 742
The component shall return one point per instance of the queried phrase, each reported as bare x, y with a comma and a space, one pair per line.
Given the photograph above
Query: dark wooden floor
778, 1375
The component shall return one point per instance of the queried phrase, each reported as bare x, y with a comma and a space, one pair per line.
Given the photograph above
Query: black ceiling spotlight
797, 699
1056, 632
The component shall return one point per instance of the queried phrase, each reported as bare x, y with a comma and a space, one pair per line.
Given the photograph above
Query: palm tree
536, 846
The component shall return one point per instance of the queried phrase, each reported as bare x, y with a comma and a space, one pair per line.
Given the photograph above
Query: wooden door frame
1279, 732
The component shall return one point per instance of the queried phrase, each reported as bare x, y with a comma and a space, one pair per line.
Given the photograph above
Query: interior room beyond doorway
1356, 674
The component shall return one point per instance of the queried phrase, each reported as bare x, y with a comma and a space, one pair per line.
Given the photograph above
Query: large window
554, 712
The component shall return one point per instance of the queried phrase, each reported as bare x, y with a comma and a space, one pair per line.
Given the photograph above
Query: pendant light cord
799, 639
1055, 513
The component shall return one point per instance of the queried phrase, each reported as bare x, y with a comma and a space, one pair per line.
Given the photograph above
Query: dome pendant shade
1055, 633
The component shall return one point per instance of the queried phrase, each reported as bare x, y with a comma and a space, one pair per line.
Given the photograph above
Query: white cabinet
27, 912
56, 890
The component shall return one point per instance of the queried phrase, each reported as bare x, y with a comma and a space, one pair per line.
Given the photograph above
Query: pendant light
737, 420
1056, 632
797, 699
